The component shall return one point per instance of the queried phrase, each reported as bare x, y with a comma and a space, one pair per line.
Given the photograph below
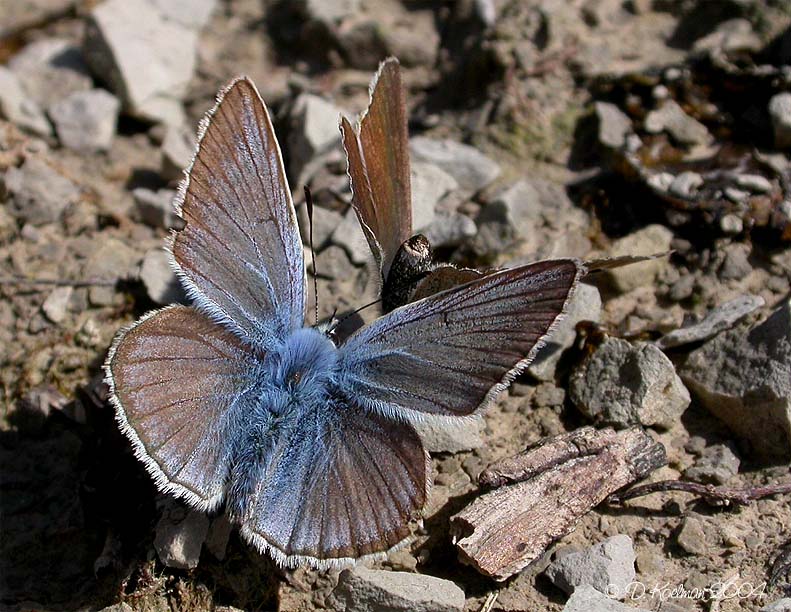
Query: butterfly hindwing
177, 379
452, 352
239, 253
338, 484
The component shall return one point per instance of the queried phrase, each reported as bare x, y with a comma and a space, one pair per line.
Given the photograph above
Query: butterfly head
306, 364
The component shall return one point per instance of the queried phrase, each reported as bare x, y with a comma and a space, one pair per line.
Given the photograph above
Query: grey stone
314, 131
718, 319
540, 214
736, 264
730, 36
18, 107
472, 169
780, 114
623, 384
159, 279
731, 224
738, 196
743, 376
443, 436
178, 147
661, 181
486, 11
180, 534
585, 305
671, 118
781, 605
414, 40
614, 125
685, 184
85, 121
430, 184
650, 240
330, 12
218, 536
50, 70
113, 260
333, 262
717, 465
119, 607
147, 59
325, 222
587, 599
349, 236
606, 566
754, 182
155, 208
449, 229
692, 536
366, 590
193, 14
39, 194
56, 304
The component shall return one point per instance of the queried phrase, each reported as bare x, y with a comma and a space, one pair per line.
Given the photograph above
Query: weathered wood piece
544, 491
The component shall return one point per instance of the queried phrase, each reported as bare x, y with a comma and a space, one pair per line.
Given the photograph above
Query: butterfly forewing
450, 353
239, 252
378, 157
177, 379
339, 484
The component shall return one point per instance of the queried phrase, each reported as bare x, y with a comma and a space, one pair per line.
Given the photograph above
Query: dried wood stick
710, 493
556, 483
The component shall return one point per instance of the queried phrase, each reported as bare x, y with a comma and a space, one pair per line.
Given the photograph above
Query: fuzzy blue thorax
297, 381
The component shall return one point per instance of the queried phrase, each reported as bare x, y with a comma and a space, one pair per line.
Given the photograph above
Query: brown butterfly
377, 152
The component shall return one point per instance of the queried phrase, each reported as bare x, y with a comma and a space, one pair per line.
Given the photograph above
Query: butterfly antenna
354, 312
309, 204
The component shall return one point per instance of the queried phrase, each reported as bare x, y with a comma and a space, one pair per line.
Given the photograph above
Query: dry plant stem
21, 280
710, 493
555, 484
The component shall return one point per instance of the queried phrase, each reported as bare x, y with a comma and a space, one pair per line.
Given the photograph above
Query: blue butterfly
235, 401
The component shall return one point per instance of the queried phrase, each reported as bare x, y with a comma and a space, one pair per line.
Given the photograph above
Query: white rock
50, 70
39, 194
180, 534
18, 107
86, 120
650, 240
159, 279
670, 117
155, 208
472, 169
147, 59
743, 376
754, 182
314, 131
718, 319
781, 605
193, 14
430, 184
780, 113
622, 384
606, 566
614, 125
442, 436
685, 184
57, 303
365, 590
349, 236
587, 599
178, 147
449, 229
585, 305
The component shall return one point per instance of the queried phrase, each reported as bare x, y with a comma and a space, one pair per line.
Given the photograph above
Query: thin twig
491, 598
22, 280
709, 492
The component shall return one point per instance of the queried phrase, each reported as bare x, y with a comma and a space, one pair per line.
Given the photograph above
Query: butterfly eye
296, 377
